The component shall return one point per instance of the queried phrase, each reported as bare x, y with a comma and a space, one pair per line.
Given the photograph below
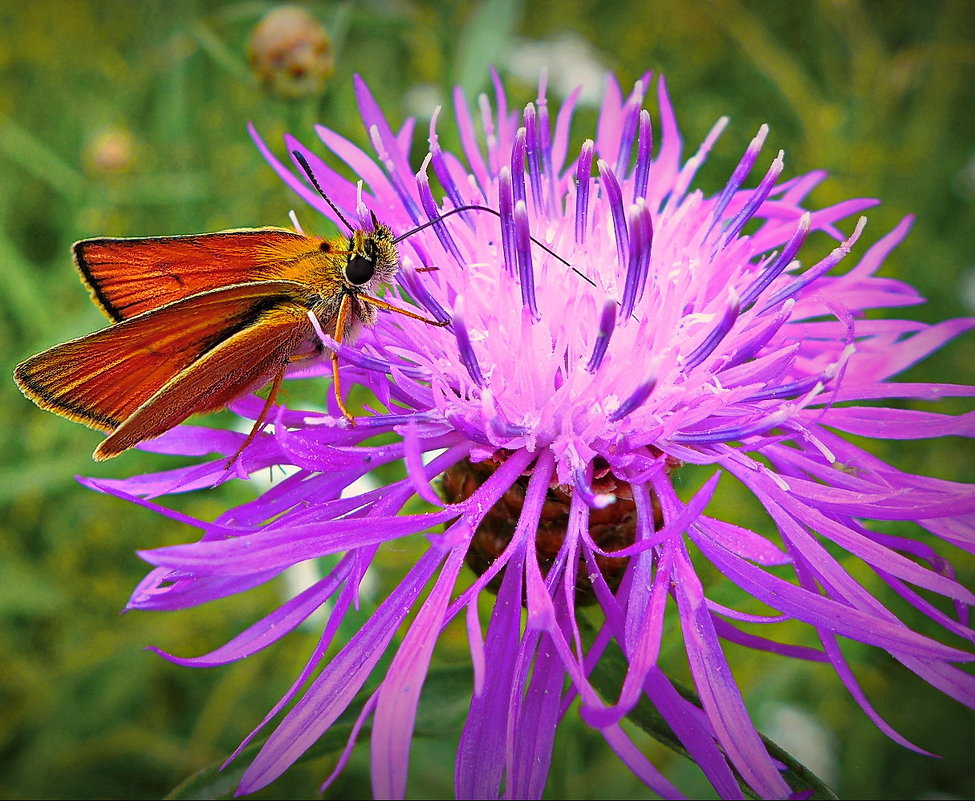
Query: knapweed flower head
611, 329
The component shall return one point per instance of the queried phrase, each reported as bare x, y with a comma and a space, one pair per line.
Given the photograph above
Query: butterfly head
372, 260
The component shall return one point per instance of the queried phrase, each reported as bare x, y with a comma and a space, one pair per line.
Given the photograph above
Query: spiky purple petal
671, 339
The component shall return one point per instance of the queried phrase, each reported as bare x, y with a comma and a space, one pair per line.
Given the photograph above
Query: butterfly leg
382, 304
341, 320
272, 396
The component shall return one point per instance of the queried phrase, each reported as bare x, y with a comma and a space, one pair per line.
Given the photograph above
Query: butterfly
199, 320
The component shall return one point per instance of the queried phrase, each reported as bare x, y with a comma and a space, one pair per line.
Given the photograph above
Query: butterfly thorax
350, 267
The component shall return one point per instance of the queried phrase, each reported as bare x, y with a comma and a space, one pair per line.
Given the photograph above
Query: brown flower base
611, 528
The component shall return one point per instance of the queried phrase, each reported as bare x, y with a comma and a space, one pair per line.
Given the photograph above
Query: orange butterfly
198, 320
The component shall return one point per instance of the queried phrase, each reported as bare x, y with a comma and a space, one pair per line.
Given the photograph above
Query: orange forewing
128, 277
246, 359
104, 378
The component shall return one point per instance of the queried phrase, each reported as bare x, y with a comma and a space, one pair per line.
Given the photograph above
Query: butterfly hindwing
248, 359
101, 379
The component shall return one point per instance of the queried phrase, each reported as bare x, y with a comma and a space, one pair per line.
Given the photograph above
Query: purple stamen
518, 165
490, 138
464, 348
526, 273
531, 152
433, 213
638, 264
395, 179
750, 348
644, 152
631, 113
503, 428
356, 357
560, 141
758, 197
773, 270
741, 172
583, 177
581, 485
607, 322
418, 291
500, 98
499, 422
635, 401
440, 168
790, 390
731, 433
614, 197
468, 140
706, 348
389, 421
442, 172
545, 150
507, 211
464, 426
817, 270
690, 168
422, 254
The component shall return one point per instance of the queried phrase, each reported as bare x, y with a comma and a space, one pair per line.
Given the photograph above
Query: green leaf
607, 678
217, 49
443, 706
445, 700
213, 783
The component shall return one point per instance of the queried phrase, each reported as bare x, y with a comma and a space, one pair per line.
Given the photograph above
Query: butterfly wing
245, 360
127, 277
103, 378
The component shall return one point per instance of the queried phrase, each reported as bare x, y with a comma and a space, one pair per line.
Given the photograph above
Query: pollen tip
601, 501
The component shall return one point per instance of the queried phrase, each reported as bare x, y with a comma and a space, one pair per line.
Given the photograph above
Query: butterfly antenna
314, 182
475, 207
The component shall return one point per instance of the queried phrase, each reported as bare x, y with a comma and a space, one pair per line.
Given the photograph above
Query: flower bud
291, 53
109, 151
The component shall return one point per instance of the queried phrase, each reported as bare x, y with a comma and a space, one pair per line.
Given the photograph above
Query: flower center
611, 528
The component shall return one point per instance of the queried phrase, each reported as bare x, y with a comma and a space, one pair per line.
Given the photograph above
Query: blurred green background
128, 118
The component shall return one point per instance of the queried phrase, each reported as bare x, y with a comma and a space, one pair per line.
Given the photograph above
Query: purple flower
691, 337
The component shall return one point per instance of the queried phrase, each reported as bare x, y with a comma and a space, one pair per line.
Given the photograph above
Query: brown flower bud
291, 53
110, 151
611, 528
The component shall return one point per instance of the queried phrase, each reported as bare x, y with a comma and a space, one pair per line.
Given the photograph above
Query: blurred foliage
128, 118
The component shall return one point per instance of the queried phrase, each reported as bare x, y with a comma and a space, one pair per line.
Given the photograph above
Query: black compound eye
359, 270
